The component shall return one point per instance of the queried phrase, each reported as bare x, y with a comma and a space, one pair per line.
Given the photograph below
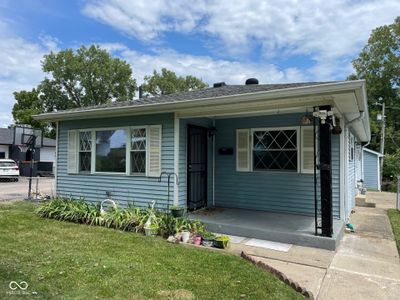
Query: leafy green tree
379, 64
167, 82
88, 76
28, 104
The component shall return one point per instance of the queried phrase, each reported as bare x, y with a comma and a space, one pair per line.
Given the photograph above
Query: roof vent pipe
219, 84
251, 81
140, 92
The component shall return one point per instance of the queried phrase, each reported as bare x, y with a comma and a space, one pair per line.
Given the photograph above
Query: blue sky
216, 40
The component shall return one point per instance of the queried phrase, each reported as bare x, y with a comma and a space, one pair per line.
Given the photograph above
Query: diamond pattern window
275, 150
85, 151
111, 151
138, 151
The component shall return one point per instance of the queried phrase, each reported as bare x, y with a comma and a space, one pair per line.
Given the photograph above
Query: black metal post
315, 176
325, 167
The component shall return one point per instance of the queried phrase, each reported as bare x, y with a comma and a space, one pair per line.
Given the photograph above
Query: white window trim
351, 147
127, 148
297, 128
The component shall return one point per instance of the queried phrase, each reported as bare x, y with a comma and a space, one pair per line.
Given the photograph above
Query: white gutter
321, 89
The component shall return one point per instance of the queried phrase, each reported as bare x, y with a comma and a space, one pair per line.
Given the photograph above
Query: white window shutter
243, 150
72, 152
154, 151
307, 149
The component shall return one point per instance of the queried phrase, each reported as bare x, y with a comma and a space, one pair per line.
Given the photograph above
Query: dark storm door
196, 167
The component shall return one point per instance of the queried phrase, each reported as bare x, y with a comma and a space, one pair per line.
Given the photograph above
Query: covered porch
279, 227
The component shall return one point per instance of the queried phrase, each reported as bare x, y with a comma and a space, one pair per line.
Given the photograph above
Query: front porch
277, 227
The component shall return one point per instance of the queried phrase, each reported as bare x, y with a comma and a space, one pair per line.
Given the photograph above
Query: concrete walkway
365, 266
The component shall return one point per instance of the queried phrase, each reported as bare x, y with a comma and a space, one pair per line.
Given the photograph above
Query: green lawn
67, 260
394, 216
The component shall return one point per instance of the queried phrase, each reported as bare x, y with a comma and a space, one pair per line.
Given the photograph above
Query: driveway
19, 190
365, 266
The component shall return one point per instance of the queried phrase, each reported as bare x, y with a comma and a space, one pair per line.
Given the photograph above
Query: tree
88, 76
28, 104
379, 64
167, 82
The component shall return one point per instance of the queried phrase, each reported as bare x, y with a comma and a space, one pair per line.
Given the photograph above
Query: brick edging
279, 275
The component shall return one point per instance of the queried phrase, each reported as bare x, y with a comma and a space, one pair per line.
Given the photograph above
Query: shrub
128, 219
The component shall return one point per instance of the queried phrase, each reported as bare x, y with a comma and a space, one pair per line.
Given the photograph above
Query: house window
111, 151
138, 151
275, 149
2, 155
85, 151
122, 150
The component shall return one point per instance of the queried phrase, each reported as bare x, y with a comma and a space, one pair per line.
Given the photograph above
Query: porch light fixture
212, 131
306, 119
323, 115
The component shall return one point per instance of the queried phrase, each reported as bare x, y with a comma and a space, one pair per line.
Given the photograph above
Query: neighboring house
246, 149
12, 146
6, 140
371, 169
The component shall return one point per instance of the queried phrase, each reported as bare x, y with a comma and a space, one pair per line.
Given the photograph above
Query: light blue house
371, 169
246, 152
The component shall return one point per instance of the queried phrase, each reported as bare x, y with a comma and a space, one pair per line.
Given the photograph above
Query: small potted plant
197, 239
177, 211
208, 239
221, 242
152, 230
185, 236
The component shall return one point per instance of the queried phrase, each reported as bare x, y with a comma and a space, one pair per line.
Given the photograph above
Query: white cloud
20, 67
208, 69
146, 19
328, 32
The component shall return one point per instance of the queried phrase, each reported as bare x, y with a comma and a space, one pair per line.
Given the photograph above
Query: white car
9, 169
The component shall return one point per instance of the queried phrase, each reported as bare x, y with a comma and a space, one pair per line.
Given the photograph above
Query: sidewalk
365, 266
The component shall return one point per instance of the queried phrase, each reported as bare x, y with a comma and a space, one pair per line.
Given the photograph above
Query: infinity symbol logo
14, 285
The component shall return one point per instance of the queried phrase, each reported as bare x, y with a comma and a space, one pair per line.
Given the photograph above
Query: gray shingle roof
6, 136
227, 90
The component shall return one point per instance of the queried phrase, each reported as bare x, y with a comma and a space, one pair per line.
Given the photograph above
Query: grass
394, 217
61, 260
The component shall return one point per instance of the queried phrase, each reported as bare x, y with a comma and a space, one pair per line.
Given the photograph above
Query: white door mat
269, 245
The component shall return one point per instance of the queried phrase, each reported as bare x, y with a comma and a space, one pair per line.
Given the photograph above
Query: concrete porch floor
277, 227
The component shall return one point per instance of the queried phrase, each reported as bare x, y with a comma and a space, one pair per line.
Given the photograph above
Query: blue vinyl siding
279, 191
371, 172
124, 189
